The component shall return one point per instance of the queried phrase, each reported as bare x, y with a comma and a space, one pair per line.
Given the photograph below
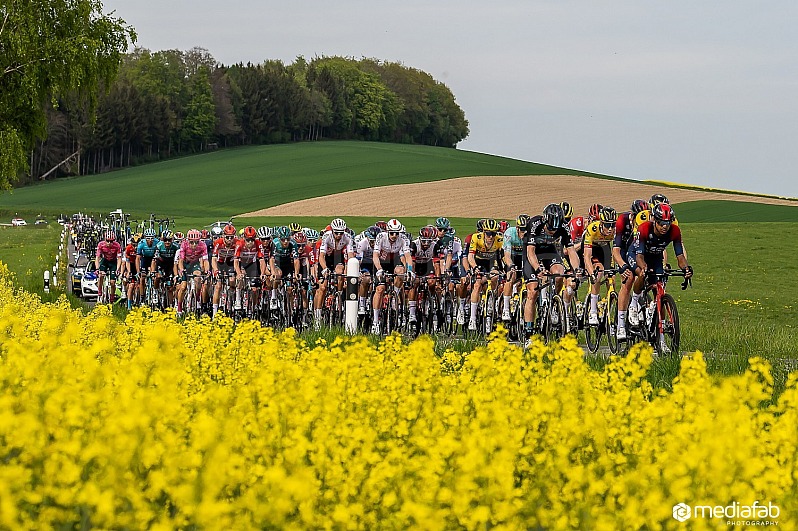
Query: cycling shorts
190, 269
545, 263
108, 267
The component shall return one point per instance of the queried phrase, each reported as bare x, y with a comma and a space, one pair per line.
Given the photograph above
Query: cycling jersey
248, 254
424, 256
223, 251
281, 252
130, 254
390, 251
193, 253
455, 248
538, 237
329, 245
480, 249
109, 251
648, 242
364, 250
147, 251
594, 236
164, 253
513, 244
576, 228
624, 231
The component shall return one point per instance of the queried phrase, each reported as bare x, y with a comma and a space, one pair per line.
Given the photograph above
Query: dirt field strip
498, 197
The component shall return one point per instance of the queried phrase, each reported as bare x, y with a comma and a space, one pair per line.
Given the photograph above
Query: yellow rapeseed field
158, 424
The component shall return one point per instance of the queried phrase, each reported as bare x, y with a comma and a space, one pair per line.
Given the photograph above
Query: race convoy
526, 273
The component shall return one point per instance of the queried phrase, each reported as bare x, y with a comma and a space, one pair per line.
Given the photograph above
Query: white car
18, 222
88, 281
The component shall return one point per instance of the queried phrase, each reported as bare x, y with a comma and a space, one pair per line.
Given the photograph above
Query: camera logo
681, 512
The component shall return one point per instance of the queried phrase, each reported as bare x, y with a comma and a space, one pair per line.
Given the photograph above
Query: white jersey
330, 246
363, 248
390, 251
424, 256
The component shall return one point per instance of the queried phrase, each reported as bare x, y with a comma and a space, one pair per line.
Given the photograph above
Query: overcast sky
703, 93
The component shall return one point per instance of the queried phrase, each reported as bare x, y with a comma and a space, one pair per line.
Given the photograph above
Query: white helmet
394, 225
338, 225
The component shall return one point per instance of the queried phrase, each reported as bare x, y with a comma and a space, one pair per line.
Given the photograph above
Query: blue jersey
145, 250
166, 253
513, 243
288, 252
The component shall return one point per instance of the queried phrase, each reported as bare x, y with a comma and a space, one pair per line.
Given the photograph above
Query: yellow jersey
593, 234
479, 248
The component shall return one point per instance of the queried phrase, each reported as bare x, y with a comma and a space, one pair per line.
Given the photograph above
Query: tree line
172, 102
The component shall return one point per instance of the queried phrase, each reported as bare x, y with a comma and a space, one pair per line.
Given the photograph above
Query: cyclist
425, 252
222, 258
249, 261
484, 255
599, 237
164, 262
145, 251
364, 250
625, 229
191, 261
391, 253
450, 252
283, 262
513, 260
107, 260
544, 233
306, 260
335, 249
129, 269
649, 246
294, 228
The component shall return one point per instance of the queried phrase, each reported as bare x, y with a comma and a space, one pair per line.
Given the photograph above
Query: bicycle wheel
611, 321
556, 318
572, 321
489, 314
448, 314
592, 332
670, 326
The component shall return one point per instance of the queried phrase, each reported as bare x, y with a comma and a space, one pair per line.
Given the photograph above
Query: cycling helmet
166, 235
594, 211
313, 235
282, 233
553, 216
178, 236
639, 205
503, 226
216, 231
371, 232
480, 224
490, 225
149, 233
608, 215
250, 233
350, 231
382, 225
662, 212
567, 210
229, 230
427, 233
110, 236
338, 225
204, 234
294, 227
300, 238
659, 198
442, 223
393, 225
522, 221
263, 232
193, 235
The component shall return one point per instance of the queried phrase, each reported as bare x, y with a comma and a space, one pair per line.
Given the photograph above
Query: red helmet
594, 211
229, 230
382, 225
300, 238
178, 236
428, 233
205, 234
503, 226
250, 232
193, 235
110, 236
663, 212
639, 205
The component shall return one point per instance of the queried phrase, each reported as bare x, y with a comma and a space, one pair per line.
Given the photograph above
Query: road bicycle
607, 316
552, 319
659, 320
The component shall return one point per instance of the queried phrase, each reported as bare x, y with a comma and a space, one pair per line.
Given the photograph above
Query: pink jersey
109, 250
193, 253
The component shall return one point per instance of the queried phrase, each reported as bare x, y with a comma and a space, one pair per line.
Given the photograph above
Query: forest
171, 103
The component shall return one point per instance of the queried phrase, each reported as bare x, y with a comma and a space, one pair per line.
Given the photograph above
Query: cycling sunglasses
338, 232
663, 223
229, 237
608, 226
490, 233
393, 233
250, 240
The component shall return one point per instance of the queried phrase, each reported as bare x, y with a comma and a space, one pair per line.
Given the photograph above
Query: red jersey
130, 253
223, 252
109, 250
577, 228
249, 252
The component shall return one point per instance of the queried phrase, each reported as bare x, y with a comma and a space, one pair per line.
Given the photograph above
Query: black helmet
553, 216
639, 205
567, 210
657, 199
